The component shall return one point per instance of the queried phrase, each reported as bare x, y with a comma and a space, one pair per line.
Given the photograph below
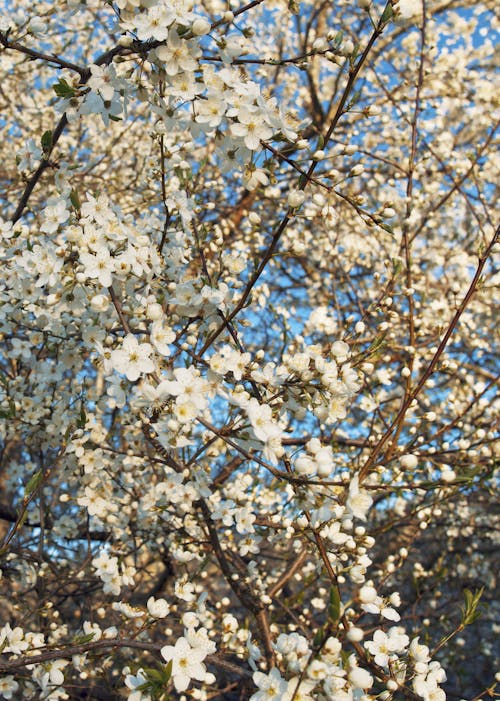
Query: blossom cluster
247, 379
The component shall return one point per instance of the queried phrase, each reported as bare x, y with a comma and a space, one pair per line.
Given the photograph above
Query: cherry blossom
247, 371
187, 662
133, 358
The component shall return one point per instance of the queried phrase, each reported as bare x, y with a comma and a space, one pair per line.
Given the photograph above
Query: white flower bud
296, 198
319, 199
388, 213
347, 48
304, 465
190, 619
125, 40
154, 311
200, 26
355, 635
409, 461
367, 594
37, 25
320, 44
360, 678
158, 608
99, 303
448, 475
324, 469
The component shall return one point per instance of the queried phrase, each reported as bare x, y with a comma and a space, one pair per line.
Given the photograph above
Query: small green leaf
334, 607
114, 119
338, 39
354, 100
377, 344
75, 200
470, 611
319, 637
397, 266
47, 142
387, 14
33, 483
155, 675
63, 89
82, 419
82, 639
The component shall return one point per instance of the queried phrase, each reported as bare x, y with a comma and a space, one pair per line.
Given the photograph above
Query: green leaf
82, 639
33, 483
334, 607
75, 200
470, 611
145, 686
63, 89
397, 266
114, 119
387, 14
159, 677
22, 520
338, 39
47, 142
82, 419
355, 98
319, 637
377, 344
155, 675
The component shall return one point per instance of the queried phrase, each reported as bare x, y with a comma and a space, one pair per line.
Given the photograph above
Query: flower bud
296, 198
200, 26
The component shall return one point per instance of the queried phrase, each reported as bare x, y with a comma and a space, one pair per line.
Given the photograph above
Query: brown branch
437, 355
104, 60
241, 589
68, 652
353, 75
34, 54
288, 574
119, 309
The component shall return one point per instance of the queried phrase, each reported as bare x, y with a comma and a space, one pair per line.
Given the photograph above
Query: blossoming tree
247, 373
